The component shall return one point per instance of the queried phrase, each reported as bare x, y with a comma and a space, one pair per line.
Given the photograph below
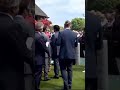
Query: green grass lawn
57, 84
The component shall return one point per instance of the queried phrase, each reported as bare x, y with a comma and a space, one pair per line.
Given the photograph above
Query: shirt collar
67, 28
37, 31
7, 15
19, 16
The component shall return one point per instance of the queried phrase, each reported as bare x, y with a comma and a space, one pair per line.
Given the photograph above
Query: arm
43, 44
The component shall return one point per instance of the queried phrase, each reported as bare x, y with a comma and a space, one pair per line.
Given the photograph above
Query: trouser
56, 67
38, 75
66, 71
90, 83
46, 68
29, 82
112, 63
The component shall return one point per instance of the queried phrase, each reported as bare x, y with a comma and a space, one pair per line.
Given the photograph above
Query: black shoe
47, 79
60, 75
70, 88
56, 77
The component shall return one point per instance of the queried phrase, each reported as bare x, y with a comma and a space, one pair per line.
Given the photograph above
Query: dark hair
67, 23
56, 28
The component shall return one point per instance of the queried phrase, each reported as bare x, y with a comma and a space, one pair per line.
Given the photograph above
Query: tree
61, 28
78, 24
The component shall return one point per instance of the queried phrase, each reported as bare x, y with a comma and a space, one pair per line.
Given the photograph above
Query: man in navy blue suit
40, 49
67, 40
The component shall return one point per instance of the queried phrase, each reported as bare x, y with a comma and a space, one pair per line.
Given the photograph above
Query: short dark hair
56, 28
67, 23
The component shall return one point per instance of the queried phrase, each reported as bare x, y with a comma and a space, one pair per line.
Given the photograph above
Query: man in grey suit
12, 48
47, 59
26, 28
93, 42
67, 40
40, 49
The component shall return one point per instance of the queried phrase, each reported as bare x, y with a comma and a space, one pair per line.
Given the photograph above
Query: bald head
39, 26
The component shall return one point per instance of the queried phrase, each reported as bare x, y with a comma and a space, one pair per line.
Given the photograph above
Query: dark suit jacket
28, 32
40, 49
55, 48
12, 54
92, 28
67, 40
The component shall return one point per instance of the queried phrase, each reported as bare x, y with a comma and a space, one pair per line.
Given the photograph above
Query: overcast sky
61, 10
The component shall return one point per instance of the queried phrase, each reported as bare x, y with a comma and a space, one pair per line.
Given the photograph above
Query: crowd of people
58, 46
16, 48
27, 47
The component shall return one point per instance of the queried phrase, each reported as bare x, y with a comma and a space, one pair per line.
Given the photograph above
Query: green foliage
103, 5
78, 24
61, 28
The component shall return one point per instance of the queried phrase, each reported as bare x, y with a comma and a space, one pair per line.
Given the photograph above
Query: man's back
11, 61
40, 48
8, 46
67, 41
25, 25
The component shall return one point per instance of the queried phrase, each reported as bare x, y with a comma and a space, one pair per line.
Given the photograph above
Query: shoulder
60, 32
36, 34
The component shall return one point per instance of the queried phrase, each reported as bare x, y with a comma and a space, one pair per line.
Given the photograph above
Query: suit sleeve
52, 41
58, 41
42, 43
